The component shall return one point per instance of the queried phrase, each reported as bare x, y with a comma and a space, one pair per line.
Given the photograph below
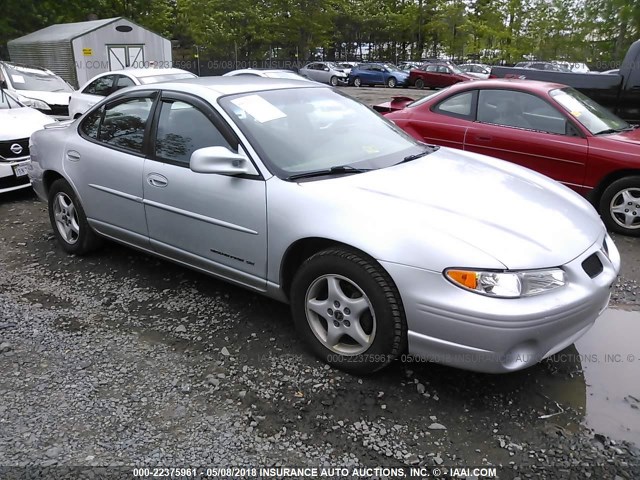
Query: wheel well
48, 178
298, 252
595, 195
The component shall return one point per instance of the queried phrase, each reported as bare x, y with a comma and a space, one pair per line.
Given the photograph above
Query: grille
62, 110
12, 181
7, 154
592, 266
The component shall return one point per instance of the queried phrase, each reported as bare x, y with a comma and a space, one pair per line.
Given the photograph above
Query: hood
631, 137
51, 98
17, 123
522, 219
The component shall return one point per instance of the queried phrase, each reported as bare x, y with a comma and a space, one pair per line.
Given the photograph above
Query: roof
149, 72
516, 83
63, 31
236, 84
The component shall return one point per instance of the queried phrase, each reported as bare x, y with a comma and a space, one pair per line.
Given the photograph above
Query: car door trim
117, 193
197, 216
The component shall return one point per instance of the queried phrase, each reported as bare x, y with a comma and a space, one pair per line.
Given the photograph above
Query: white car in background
324, 72
476, 70
17, 123
38, 88
266, 73
106, 83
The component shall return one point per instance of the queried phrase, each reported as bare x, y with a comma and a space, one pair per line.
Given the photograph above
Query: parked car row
443, 240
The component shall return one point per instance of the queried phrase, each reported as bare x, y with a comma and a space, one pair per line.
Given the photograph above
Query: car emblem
16, 148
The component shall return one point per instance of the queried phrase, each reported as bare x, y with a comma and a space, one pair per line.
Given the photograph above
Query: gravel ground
121, 359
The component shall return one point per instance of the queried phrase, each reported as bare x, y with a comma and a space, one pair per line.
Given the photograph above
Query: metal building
78, 51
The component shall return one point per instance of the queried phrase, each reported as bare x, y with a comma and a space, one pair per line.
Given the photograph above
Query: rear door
525, 129
106, 163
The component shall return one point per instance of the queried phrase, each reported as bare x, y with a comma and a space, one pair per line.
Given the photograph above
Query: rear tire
346, 307
419, 83
620, 206
68, 220
357, 82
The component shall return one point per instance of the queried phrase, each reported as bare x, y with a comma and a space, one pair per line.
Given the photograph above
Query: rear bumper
462, 329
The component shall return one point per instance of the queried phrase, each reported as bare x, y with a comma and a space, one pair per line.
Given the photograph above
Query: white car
476, 70
106, 83
266, 73
17, 123
38, 88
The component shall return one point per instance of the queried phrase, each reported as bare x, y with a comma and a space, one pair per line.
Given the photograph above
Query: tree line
594, 31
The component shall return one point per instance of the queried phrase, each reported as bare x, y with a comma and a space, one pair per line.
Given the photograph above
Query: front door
524, 129
214, 222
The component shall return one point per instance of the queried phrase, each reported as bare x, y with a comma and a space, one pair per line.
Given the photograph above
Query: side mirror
219, 160
326, 69
3, 84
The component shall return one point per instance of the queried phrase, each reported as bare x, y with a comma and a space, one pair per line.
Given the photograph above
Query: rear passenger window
458, 105
124, 124
183, 129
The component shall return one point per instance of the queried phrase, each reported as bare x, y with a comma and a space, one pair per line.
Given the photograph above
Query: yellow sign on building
87, 52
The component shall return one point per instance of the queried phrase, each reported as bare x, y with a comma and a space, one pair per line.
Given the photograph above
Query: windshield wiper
615, 130
338, 170
427, 151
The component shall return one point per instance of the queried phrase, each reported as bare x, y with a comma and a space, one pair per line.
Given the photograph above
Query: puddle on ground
602, 376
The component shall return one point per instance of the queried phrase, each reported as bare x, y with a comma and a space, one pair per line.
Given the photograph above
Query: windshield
167, 77
7, 101
455, 69
592, 115
22, 78
392, 68
301, 130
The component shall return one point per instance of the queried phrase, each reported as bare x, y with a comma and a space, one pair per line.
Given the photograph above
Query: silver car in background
324, 72
381, 244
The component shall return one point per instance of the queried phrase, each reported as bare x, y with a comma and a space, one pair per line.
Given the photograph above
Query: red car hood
396, 103
632, 137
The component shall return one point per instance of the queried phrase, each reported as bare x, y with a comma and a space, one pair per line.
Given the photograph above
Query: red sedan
547, 127
437, 75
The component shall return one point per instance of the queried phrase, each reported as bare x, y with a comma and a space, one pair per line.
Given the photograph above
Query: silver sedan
381, 244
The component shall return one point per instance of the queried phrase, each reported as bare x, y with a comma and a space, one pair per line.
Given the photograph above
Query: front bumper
8, 179
462, 329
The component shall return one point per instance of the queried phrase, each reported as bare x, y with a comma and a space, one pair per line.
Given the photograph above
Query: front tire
333, 81
357, 82
419, 83
348, 310
620, 206
68, 220
392, 82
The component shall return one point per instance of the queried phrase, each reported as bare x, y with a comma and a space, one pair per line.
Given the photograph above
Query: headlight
507, 284
34, 103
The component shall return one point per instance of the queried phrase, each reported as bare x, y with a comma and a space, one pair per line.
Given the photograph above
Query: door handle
484, 138
157, 180
73, 155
